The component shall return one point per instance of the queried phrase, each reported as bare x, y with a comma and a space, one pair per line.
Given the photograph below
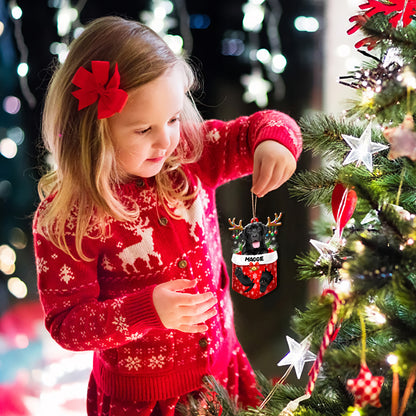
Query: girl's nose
162, 139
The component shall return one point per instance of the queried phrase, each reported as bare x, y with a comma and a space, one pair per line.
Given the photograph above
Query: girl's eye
144, 131
174, 120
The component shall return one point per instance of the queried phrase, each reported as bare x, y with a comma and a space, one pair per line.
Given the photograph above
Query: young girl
126, 237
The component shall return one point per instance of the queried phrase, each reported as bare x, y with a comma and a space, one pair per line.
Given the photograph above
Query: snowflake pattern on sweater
106, 304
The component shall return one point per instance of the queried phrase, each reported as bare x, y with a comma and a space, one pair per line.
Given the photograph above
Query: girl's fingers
198, 318
179, 284
193, 329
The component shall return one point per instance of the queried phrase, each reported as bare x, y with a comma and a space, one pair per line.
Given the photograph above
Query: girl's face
146, 132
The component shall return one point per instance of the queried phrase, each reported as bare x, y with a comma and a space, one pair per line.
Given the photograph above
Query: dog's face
254, 235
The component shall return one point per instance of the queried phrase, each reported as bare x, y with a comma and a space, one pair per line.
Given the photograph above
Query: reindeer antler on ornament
255, 237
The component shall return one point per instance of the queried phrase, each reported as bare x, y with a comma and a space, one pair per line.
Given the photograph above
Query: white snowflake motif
131, 363
158, 361
66, 274
135, 336
120, 323
117, 303
275, 123
54, 256
213, 135
42, 265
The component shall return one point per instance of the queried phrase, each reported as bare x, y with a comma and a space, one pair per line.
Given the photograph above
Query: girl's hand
273, 165
185, 312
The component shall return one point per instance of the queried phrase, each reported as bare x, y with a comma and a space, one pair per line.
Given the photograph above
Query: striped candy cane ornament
330, 334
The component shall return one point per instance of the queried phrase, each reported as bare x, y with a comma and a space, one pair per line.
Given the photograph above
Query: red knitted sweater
106, 304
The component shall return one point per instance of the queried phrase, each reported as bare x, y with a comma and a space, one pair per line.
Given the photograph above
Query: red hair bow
95, 86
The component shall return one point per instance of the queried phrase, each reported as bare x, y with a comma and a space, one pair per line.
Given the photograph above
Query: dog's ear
264, 229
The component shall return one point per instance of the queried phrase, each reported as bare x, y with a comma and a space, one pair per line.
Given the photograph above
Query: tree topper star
298, 355
362, 148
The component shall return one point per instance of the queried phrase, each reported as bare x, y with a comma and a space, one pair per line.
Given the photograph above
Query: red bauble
343, 204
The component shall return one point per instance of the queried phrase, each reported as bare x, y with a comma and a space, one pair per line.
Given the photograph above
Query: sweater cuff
283, 129
140, 311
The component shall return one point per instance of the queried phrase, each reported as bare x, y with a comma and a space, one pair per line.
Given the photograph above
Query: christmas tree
360, 332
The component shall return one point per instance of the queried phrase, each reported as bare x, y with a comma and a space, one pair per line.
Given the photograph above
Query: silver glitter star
298, 354
362, 148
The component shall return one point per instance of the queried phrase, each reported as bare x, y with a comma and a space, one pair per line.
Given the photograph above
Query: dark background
261, 324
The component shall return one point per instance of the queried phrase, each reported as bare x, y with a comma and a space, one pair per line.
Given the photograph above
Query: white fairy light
374, 315
1, 27
60, 49
392, 359
22, 69
17, 287
175, 42
15, 11
66, 16
8, 148
279, 63
253, 17
306, 24
7, 259
264, 56
256, 88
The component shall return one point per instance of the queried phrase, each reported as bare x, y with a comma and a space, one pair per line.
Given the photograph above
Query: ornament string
400, 23
363, 340
275, 387
341, 208
253, 205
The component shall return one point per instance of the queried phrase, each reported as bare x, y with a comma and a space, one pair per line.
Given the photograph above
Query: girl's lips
156, 159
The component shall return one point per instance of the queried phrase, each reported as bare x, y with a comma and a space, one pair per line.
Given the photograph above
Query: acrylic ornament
254, 260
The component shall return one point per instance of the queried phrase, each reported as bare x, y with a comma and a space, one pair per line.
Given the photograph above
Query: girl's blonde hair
86, 172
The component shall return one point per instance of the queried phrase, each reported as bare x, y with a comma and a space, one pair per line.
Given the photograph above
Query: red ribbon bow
95, 86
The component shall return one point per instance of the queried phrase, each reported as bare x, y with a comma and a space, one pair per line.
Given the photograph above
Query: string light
253, 16
392, 359
160, 19
8, 148
68, 26
11, 104
17, 287
65, 18
7, 259
15, 11
256, 88
306, 24
23, 67
374, 315
267, 62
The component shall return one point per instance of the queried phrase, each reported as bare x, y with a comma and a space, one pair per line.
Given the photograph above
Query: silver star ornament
298, 354
362, 149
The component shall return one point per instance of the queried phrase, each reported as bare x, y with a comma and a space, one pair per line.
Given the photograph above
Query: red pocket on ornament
254, 275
